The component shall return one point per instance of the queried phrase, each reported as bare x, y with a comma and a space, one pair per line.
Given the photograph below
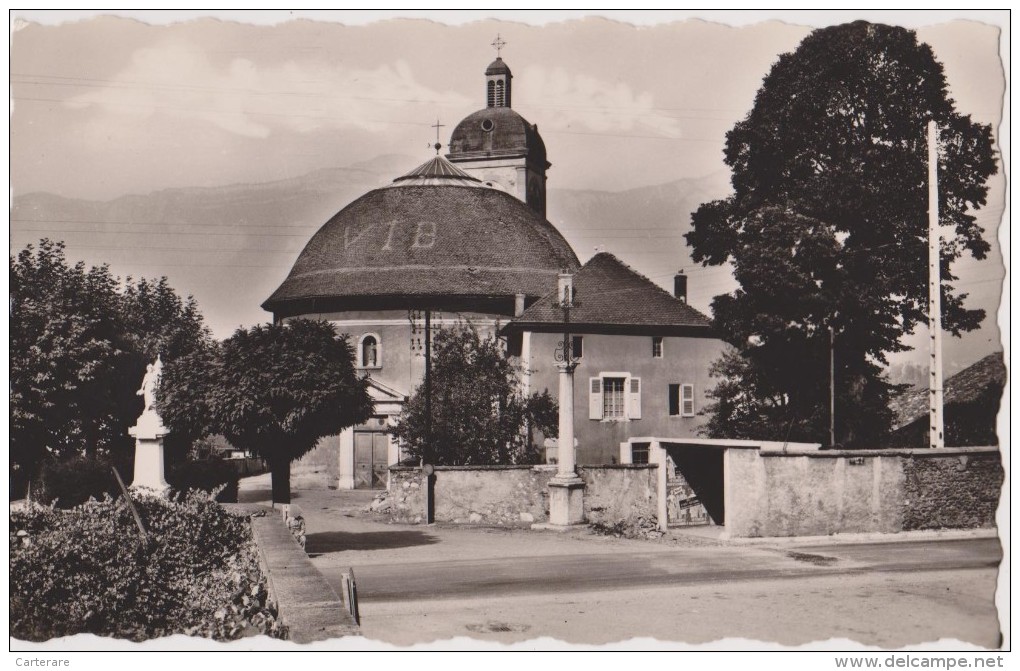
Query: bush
87, 570
206, 475
71, 482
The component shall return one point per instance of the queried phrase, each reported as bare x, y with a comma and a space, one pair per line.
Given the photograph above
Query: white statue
153, 371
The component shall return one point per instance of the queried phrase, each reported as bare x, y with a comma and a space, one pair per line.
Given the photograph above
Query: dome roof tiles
413, 239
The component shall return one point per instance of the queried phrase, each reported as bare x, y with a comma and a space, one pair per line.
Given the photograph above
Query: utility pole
428, 385
832, 387
936, 428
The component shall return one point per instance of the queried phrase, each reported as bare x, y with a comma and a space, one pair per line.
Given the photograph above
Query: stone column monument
148, 433
566, 490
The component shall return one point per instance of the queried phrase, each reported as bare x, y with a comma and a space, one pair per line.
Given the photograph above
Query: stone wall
958, 492
519, 495
818, 493
407, 496
619, 493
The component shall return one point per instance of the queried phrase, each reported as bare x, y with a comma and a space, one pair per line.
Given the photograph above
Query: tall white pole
936, 429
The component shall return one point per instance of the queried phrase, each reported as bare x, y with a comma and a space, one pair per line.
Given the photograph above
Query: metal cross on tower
498, 44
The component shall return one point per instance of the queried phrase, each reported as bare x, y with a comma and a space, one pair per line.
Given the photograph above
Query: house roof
608, 292
413, 239
964, 387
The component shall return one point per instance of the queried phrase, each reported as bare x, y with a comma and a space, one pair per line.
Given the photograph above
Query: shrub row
88, 570
72, 482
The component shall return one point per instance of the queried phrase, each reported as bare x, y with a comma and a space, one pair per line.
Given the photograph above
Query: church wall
685, 360
401, 366
401, 363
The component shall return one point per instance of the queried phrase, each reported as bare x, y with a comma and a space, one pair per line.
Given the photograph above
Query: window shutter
594, 398
634, 399
688, 400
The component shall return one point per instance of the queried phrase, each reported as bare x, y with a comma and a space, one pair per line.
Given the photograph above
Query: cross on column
498, 44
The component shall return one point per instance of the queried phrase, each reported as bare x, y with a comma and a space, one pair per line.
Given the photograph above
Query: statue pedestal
148, 433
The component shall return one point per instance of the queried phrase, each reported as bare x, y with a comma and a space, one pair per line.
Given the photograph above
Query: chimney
680, 286
518, 305
565, 289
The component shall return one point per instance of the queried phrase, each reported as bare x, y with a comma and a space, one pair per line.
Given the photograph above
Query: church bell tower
498, 146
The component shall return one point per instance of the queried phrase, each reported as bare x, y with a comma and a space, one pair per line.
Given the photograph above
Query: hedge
72, 482
87, 570
206, 475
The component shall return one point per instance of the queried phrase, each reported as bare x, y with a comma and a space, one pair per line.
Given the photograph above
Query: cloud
244, 98
576, 101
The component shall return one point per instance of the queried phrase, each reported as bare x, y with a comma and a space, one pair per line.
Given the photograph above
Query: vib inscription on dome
423, 234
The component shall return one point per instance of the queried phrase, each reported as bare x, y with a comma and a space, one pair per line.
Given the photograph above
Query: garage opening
695, 495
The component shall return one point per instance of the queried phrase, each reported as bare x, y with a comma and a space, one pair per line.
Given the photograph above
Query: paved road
420, 584
479, 578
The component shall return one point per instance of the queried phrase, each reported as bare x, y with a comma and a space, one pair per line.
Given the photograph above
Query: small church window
500, 94
369, 352
657, 347
491, 98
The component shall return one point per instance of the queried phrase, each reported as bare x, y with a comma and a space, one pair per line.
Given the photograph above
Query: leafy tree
827, 226
67, 346
274, 389
479, 415
79, 344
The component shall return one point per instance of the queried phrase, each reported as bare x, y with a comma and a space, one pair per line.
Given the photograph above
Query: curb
305, 601
858, 538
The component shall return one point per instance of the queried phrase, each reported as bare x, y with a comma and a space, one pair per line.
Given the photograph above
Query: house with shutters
642, 354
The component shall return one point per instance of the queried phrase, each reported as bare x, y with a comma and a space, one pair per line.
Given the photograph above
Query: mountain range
231, 246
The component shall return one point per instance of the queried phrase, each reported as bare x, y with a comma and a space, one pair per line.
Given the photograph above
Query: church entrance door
371, 460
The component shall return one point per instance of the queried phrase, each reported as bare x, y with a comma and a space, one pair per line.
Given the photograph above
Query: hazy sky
113, 106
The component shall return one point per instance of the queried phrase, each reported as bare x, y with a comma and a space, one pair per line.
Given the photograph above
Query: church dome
497, 67
497, 131
435, 237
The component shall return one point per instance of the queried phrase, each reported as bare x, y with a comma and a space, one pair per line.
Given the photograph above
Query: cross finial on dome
438, 145
498, 44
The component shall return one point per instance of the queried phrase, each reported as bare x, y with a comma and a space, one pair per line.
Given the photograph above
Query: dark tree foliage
79, 344
479, 415
274, 389
827, 226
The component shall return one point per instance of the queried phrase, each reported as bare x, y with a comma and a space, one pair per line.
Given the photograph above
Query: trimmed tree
827, 227
478, 413
274, 389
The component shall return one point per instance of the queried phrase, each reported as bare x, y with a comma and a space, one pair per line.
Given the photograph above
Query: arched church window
500, 94
369, 354
491, 99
